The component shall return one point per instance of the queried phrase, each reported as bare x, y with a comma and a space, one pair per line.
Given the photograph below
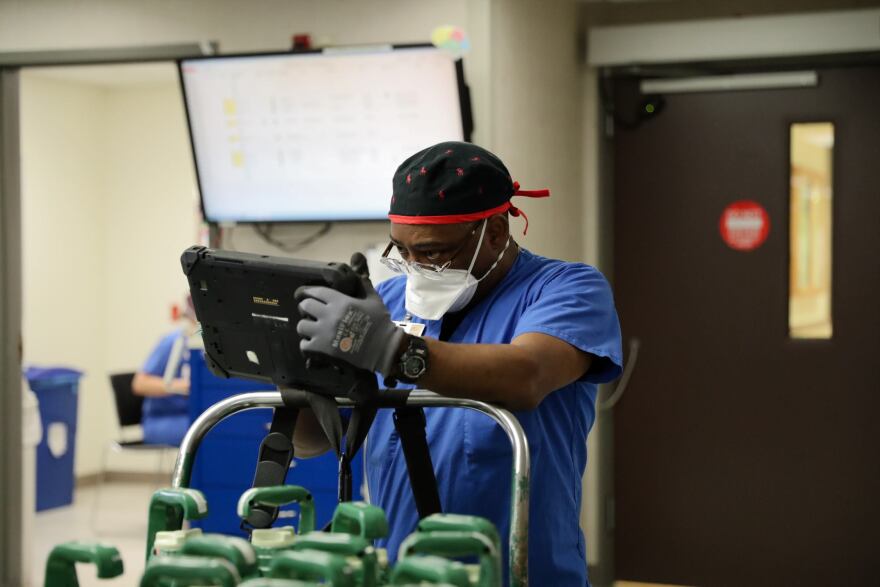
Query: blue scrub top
165, 419
472, 455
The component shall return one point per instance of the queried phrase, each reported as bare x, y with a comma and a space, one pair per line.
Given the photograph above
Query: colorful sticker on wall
744, 225
451, 39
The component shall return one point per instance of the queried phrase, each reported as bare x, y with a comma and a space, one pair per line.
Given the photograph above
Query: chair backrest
129, 407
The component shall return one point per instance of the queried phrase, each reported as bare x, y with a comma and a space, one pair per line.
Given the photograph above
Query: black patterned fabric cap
453, 182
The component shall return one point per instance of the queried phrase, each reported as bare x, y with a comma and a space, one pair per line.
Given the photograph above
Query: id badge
413, 328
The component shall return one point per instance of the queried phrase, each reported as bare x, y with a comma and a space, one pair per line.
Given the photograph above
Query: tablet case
245, 304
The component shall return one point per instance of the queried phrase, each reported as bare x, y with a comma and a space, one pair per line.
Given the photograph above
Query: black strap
327, 413
276, 452
410, 424
358, 427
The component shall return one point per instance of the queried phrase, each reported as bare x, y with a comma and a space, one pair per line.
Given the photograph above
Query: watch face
414, 366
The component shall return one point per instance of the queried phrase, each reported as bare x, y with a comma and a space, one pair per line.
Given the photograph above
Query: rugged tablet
245, 304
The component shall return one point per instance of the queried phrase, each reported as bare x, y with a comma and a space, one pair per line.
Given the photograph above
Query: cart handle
519, 503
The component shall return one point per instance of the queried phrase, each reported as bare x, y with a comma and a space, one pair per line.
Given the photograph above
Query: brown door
744, 456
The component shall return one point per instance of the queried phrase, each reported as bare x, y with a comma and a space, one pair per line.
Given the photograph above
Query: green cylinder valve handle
418, 570
460, 523
361, 519
233, 549
313, 565
368, 572
170, 507
279, 495
269, 582
61, 565
451, 544
184, 571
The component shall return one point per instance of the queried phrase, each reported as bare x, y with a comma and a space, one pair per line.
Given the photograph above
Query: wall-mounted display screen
316, 136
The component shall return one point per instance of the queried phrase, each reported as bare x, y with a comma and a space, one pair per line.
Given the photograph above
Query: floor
121, 521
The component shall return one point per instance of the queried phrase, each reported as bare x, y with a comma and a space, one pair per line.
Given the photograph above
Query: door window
809, 305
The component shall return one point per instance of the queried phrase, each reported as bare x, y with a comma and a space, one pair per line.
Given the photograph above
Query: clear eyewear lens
395, 265
426, 270
429, 271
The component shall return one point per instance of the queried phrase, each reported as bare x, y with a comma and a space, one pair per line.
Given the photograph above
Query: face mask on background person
432, 295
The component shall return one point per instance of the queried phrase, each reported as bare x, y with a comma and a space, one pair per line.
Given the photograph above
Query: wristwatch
414, 360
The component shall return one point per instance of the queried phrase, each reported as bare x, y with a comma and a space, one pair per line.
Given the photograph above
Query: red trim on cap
514, 211
545, 193
470, 217
451, 218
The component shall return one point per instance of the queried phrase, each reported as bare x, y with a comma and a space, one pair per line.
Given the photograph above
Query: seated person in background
166, 394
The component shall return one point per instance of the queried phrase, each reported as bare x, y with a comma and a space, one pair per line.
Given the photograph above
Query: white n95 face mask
430, 297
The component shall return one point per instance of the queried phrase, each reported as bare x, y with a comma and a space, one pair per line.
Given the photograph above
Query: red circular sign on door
744, 225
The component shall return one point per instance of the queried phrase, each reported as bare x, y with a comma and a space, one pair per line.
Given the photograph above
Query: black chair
129, 412
129, 407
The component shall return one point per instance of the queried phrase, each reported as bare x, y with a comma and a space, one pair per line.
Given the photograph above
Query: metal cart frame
519, 505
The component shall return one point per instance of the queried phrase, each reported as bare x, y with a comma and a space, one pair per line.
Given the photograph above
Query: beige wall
108, 205
62, 197
152, 216
536, 117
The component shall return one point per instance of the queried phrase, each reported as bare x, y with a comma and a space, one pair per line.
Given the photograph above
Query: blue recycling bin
56, 389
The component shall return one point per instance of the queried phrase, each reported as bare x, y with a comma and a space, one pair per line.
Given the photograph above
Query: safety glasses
429, 270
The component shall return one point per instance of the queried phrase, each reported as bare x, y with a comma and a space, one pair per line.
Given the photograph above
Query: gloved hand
358, 331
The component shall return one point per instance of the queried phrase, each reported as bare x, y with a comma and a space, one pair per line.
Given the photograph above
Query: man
500, 324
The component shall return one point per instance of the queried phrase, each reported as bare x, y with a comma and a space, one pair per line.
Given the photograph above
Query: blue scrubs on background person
165, 418
472, 456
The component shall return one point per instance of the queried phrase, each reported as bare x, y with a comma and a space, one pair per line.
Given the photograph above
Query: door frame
12, 572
